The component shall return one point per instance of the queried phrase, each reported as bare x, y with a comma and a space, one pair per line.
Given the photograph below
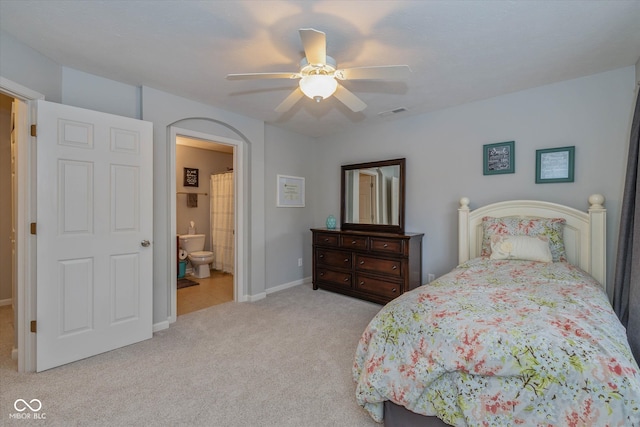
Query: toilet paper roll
182, 254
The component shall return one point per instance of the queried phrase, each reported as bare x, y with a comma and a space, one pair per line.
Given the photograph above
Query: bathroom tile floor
216, 289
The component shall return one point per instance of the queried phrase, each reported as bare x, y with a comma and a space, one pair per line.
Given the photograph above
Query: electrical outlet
431, 277
299, 262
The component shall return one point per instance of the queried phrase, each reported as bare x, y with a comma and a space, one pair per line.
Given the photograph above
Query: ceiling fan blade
314, 43
290, 101
374, 73
249, 76
354, 103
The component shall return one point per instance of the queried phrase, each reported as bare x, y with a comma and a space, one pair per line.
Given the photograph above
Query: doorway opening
23, 293
208, 140
204, 213
8, 291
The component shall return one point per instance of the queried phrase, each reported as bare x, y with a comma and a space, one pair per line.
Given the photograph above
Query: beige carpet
282, 361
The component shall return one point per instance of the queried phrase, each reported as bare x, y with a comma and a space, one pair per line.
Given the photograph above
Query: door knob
145, 243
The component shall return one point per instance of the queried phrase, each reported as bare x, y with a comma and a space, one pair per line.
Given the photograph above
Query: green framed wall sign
555, 165
499, 158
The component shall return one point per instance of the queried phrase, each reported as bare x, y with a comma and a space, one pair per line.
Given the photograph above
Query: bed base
399, 416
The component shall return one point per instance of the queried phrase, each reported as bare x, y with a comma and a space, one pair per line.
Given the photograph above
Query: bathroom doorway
200, 163
8, 343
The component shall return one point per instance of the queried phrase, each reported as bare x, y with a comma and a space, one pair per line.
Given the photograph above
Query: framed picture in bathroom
190, 177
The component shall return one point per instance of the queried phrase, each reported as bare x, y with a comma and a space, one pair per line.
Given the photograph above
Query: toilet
200, 259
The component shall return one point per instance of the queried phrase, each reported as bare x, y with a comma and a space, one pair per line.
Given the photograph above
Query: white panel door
94, 227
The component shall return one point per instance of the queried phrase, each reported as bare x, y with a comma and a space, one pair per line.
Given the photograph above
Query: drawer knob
321, 273
385, 245
395, 267
361, 262
346, 260
353, 242
321, 256
362, 283
326, 239
346, 279
393, 290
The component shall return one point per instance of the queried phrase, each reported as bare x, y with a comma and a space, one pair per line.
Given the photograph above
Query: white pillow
520, 247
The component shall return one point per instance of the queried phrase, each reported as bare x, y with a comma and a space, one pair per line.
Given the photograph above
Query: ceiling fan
319, 76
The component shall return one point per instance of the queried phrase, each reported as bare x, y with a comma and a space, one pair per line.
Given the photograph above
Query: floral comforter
502, 343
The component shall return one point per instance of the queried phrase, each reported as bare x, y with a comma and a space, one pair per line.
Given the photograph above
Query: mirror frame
390, 228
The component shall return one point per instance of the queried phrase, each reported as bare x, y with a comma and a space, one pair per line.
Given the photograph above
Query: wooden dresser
374, 266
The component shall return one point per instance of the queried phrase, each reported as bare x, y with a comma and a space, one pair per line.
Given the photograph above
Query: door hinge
34, 131
33, 228
34, 326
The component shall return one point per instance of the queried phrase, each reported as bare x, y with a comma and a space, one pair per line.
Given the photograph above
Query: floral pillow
520, 247
551, 228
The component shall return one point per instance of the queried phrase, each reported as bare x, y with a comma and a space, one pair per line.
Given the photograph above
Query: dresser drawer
377, 286
371, 265
379, 265
338, 278
354, 242
326, 239
331, 258
394, 246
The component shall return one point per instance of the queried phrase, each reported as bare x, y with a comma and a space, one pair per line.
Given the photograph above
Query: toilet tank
191, 242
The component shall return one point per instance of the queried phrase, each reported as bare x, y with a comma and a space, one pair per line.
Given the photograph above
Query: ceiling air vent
394, 111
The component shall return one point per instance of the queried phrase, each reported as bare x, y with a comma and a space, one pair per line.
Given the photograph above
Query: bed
521, 332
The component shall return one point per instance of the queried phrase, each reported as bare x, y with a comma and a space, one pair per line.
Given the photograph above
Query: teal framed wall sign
555, 165
499, 158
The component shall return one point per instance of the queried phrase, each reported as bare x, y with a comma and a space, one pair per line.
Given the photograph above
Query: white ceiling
459, 51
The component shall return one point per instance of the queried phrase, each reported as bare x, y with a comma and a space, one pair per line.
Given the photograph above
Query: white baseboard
257, 297
5, 301
14, 353
262, 295
161, 326
288, 285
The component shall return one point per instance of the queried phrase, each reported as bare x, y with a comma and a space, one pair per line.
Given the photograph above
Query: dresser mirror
372, 196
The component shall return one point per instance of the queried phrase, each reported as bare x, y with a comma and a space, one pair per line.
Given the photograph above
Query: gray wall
108, 96
29, 68
288, 237
444, 156
165, 110
443, 151
21, 64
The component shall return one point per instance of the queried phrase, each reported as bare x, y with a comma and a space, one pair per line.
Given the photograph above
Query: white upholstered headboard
584, 232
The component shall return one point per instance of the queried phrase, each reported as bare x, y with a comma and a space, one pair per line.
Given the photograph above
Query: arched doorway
239, 170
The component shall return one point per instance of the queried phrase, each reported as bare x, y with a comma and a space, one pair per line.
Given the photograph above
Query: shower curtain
222, 221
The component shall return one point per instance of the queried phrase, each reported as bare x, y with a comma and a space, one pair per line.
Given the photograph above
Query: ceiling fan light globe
318, 86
